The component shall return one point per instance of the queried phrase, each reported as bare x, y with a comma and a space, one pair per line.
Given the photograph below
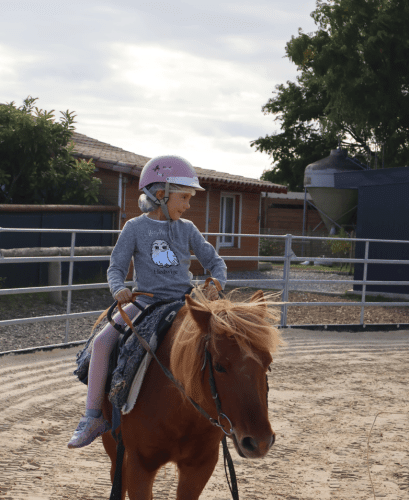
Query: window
227, 213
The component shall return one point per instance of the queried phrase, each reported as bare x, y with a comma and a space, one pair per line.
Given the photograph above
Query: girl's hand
124, 296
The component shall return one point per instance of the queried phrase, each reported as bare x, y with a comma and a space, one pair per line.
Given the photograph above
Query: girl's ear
160, 193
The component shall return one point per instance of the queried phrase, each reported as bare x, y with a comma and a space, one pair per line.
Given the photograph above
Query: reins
217, 423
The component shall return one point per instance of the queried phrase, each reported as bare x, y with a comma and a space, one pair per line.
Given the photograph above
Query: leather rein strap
226, 454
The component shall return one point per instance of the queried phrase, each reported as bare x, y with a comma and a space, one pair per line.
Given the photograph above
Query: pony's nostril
249, 444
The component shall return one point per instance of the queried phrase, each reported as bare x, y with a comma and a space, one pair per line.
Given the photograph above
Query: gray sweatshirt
161, 255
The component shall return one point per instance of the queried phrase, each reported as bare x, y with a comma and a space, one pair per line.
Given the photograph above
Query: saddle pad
152, 328
84, 356
137, 384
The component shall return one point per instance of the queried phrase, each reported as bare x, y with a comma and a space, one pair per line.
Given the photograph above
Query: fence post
70, 274
54, 279
303, 221
351, 252
364, 281
286, 277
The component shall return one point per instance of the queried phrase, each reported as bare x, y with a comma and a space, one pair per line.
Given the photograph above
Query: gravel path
22, 336
263, 278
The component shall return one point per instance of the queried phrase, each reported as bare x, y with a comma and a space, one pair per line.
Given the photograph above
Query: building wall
387, 220
130, 193
285, 216
249, 225
109, 187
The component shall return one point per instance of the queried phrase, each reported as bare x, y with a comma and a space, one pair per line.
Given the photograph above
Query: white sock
93, 413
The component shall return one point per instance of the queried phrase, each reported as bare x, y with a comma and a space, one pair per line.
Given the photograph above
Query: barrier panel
72, 254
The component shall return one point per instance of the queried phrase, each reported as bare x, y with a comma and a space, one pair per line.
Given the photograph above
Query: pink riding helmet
171, 170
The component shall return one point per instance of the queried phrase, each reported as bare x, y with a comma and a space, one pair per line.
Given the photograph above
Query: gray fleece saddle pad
133, 361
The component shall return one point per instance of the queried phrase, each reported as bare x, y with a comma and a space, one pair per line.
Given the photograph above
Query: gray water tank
319, 180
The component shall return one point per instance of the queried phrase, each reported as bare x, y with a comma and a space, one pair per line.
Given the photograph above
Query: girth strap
116, 491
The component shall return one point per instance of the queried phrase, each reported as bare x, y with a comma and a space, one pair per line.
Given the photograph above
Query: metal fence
284, 284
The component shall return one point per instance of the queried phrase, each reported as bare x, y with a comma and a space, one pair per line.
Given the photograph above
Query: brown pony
164, 426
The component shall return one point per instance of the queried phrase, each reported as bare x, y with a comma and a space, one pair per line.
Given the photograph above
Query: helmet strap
150, 195
163, 202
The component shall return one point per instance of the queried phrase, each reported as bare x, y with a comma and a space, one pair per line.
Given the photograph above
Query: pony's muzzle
256, 449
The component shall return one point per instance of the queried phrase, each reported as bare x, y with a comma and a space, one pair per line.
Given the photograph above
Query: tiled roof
113, 158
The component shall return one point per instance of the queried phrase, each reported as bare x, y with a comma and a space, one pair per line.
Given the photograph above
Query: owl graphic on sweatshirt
162, 255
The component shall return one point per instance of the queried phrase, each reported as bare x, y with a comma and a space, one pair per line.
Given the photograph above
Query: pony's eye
219, 368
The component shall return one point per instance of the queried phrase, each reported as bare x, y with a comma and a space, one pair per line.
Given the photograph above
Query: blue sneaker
88, 429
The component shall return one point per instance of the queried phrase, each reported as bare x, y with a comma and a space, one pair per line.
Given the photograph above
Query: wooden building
283, 214
230, 204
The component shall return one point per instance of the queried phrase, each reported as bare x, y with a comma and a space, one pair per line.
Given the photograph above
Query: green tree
36, 162
353, 87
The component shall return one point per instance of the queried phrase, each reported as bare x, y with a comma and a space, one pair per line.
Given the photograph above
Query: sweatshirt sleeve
208, 257
120, 259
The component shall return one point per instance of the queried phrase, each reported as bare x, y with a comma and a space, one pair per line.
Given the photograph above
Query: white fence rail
283, 283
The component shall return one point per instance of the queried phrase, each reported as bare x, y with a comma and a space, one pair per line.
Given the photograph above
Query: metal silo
337, 204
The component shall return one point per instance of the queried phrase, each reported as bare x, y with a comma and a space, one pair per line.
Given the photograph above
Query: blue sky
155, 77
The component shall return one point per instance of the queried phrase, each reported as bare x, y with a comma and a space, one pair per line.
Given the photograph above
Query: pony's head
240, 338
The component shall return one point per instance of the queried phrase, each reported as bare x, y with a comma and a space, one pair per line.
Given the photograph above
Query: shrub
270, 247
340, 248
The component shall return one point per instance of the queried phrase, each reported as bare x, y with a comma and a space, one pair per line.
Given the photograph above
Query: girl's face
178, 203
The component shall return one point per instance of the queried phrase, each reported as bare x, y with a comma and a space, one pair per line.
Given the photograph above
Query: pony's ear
198, 312
258, 296
261, 301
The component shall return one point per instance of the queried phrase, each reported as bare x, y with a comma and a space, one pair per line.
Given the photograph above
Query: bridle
215, 396
168, 373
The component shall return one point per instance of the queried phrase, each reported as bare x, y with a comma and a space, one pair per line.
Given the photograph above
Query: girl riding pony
159, 242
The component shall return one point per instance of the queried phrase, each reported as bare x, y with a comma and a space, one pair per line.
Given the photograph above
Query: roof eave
132, 169
117, 166
242, 186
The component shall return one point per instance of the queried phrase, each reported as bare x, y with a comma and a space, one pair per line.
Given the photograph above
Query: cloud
154, 76
171, 87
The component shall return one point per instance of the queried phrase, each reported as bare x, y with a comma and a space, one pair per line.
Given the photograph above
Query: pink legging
101, 349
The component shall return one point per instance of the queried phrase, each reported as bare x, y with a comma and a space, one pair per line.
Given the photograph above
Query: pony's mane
250, 323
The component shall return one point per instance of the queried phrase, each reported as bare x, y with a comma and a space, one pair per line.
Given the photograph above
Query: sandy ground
326, 389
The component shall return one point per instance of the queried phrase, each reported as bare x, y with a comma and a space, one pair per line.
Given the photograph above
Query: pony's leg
194, 475
139, 480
